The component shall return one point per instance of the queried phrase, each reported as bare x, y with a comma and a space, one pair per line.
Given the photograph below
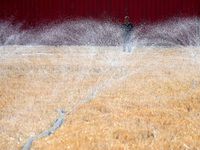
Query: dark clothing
126, 29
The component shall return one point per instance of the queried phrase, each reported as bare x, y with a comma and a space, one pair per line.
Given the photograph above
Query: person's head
126, 19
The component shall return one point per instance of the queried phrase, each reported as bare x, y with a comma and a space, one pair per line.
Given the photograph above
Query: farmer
127, 27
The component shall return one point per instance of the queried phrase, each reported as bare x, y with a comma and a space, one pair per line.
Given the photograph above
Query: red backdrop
37, 11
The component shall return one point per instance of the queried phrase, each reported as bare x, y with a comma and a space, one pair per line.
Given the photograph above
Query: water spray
96, 35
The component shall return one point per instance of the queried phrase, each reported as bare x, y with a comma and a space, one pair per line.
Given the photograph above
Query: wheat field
147, 99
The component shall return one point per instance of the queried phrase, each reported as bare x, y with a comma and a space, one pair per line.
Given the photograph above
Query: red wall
37, 11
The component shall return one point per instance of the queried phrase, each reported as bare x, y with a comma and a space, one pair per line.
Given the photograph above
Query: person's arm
132, 27
122, 26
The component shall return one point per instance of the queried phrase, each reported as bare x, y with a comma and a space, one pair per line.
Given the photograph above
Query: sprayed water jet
42, 83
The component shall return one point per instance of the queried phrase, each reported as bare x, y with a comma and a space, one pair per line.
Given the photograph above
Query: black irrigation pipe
194, 84
58, 123
91, 96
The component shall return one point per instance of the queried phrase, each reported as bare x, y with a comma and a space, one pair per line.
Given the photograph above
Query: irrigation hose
58, 123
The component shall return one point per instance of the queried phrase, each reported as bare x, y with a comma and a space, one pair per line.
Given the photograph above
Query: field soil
147, 99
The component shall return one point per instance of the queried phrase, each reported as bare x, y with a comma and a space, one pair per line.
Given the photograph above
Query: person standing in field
127, 28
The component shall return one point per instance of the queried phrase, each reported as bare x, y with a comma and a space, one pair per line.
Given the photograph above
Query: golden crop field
147, 99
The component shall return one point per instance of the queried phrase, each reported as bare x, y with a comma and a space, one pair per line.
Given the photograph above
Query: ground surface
147, 99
